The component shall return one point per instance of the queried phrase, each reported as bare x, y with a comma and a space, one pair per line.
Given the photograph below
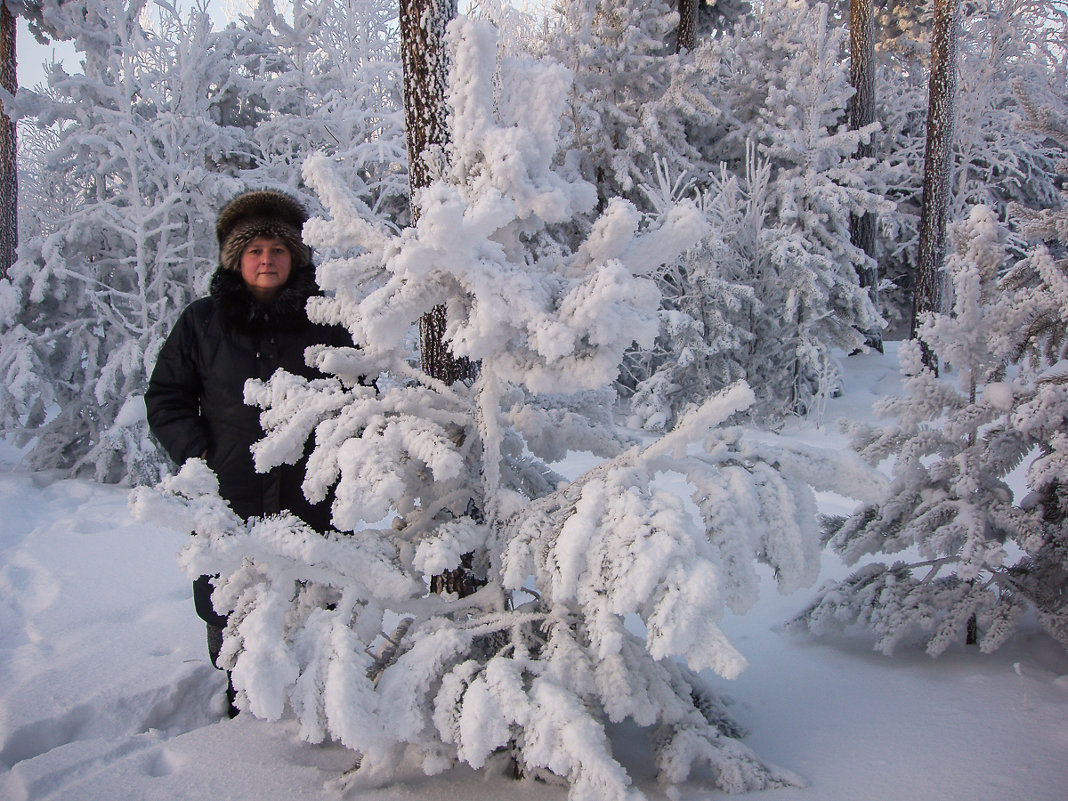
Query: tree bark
9, 221
686, 38
862, 113
938, 164
862, 105
424, 61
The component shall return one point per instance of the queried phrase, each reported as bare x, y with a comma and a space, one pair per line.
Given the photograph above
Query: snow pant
202, 601
215, 623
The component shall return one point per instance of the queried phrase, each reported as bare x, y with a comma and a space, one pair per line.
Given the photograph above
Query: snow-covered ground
106, 692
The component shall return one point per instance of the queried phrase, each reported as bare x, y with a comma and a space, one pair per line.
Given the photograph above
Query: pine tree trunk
938, 163
862, 113
424, 61
425, 65
687, 34
9, 226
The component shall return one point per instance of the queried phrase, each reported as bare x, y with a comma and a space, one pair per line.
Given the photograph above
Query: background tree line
752, 113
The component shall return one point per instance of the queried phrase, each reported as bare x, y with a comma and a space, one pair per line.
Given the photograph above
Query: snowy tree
976, 558
329, 82
44, 194
994, 162
775, 290
1033, 332
999, 160
686, 35
819, 187
862, 69
620, 55
9, 227
95, 291
425, 59
716, 16
657, 539
9, 196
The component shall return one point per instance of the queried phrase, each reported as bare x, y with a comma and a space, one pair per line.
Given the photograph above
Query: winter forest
650, 232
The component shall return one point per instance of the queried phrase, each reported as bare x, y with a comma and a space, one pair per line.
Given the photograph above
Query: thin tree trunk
938, 164
687, 34
861, 114
9, 221
425, 67
424, 63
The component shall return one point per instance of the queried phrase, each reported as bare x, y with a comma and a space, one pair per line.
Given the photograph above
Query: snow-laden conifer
329, 81
996, 161
708, 301
810, 280
599, 597
975, 556
618, 53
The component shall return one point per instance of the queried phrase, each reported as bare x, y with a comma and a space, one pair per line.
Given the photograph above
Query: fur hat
261, 213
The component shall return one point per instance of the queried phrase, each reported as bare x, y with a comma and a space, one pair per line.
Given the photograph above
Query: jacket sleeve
174, 391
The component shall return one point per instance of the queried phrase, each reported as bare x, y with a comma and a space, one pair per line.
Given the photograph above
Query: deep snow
106, 692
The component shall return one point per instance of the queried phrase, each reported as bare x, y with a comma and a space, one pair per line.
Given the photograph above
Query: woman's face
265, 267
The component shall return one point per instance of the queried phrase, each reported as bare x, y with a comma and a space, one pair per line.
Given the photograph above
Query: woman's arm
173, 395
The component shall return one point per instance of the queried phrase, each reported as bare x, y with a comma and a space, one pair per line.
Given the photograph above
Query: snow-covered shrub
599, 597
976, 557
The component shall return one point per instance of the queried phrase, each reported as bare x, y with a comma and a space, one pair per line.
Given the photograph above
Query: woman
252, 323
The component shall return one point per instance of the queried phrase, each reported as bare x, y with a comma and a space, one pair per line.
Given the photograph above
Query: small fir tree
537, 661
708, 303
634, 98
976, 556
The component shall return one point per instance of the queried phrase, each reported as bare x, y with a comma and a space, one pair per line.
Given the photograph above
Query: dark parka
195, 397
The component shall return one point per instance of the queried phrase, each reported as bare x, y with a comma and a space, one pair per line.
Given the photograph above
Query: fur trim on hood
248, 315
